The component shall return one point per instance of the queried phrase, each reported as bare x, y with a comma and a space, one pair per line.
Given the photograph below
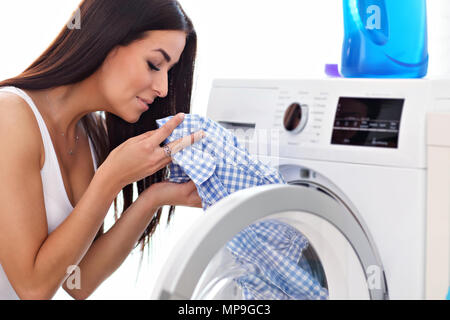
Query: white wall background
237, 39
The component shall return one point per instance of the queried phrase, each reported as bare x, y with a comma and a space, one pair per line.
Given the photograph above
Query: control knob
295, 117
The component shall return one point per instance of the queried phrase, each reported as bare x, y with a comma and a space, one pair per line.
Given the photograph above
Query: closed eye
152, 66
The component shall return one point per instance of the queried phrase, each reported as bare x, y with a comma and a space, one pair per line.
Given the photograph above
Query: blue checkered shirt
270, 251
218, 164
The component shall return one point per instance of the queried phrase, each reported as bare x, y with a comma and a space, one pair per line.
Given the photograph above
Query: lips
147, 101
144, 105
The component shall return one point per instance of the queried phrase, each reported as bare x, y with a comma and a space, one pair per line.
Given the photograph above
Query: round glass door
310, 254
275, 242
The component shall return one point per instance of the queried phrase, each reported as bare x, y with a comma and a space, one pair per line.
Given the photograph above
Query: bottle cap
332, 70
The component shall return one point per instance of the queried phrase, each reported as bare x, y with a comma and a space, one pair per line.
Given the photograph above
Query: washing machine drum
275, 242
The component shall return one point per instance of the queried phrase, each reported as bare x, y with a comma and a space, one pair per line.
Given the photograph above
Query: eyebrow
164, 53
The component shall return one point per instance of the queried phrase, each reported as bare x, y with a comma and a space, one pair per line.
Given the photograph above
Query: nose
160, 84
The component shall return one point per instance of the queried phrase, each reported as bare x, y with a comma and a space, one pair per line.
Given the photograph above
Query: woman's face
139, 72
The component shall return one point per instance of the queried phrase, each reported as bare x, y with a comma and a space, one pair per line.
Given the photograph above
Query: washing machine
355, 155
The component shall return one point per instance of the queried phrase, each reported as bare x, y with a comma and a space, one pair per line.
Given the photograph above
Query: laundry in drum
218, 164
279, 262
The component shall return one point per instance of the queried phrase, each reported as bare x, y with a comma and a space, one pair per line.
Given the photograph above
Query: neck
64, 106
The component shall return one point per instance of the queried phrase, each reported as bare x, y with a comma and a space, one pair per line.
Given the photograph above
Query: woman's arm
34, 261
68, 244
109, 251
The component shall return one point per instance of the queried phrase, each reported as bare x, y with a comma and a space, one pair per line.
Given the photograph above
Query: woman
125, 58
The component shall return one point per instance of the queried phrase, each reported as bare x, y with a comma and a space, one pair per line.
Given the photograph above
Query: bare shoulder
18, 125
14, 106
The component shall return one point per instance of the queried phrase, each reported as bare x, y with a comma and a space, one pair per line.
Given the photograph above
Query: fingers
166, 130
145, 135
160, 135
194, 197
180, 144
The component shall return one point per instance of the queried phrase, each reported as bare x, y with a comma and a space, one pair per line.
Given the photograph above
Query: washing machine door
340, 256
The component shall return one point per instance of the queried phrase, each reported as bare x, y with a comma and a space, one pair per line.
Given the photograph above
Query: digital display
371, 122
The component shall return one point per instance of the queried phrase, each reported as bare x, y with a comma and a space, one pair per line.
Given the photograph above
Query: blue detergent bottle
385, 39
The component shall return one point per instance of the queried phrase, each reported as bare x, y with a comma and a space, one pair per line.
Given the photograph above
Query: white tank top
57, 203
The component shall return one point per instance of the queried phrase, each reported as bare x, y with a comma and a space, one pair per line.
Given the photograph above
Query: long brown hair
77, 53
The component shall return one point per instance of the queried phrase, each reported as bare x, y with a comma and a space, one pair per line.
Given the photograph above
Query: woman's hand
170, 193
141, 156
